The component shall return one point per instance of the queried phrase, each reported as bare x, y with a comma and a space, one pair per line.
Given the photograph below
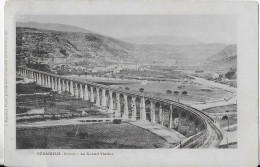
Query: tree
184, 93
176, 92
141, 90
168, 92
231, 74
63, 51
117, 121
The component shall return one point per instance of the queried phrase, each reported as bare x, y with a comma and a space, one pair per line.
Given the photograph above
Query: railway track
210, 138
214, 139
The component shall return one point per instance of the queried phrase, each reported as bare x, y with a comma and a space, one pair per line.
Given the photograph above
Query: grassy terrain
195, 92
221, 109
218, 112
30, 89
161, 73
88, 136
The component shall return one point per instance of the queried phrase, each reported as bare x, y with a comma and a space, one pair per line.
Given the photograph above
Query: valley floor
201, 93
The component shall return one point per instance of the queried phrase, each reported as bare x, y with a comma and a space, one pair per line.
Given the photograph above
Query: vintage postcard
120, 83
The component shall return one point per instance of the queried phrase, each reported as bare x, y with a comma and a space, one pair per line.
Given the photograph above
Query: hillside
67, 47
57, 43
225, 59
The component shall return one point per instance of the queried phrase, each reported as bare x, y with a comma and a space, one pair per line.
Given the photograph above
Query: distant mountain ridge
161, 40
68, 44
52, 26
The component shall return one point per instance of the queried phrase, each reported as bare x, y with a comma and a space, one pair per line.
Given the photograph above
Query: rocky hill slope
68, 47
225, 59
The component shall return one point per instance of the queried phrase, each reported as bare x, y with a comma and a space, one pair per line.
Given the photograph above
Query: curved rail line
208, 138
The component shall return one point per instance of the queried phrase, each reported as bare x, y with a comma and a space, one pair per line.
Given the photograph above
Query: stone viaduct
127, 104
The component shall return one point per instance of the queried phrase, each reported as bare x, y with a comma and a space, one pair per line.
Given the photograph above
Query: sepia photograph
126, 82
131, 83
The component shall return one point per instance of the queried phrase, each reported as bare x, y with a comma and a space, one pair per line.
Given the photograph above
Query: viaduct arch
126, 104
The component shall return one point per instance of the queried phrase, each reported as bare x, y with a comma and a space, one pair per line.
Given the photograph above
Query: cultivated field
195, 92
33, 107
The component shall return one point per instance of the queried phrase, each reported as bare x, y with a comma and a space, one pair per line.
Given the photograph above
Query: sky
204, 28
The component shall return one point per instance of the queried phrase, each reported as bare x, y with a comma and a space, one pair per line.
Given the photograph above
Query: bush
184, 93
168, 92
117, 121
230, 75
63, 51
176, 92
141, 90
